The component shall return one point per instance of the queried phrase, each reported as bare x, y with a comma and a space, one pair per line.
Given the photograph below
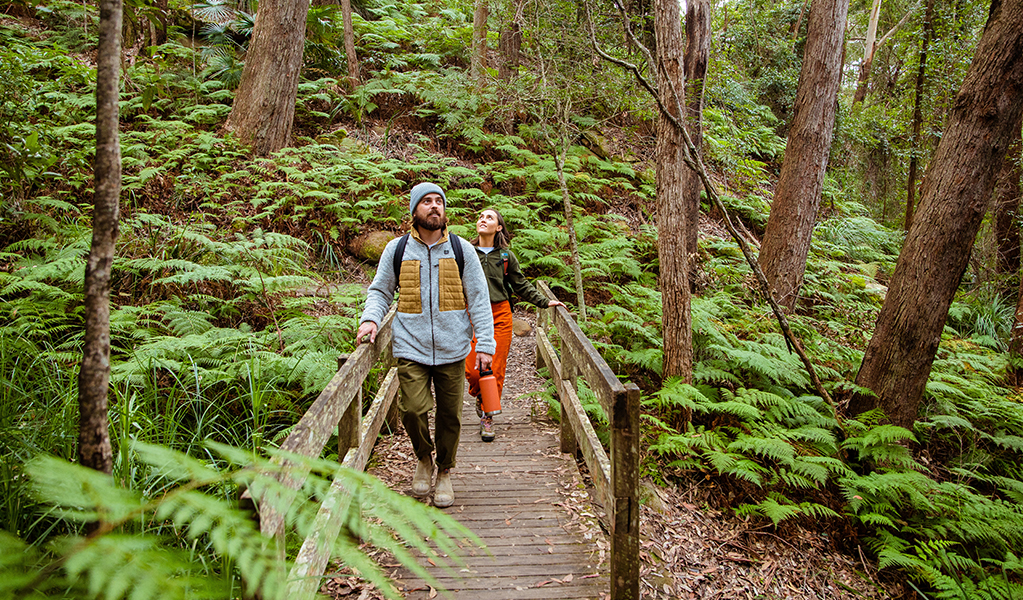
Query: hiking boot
424, 475
487, 429
444, 496
479, 406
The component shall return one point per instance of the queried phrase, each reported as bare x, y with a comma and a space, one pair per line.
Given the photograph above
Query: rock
596, 143
650, 495
369, 246
521, 327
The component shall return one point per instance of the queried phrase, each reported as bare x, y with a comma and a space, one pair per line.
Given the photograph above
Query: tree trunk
94, 376
676, 319
954, 196
918, 118
350, 56
868, 53
798, 193
478, 58
696, 57
573, 242
511, 51
1006, 199
264, 107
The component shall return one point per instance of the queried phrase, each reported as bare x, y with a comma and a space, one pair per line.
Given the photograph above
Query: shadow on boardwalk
521, 496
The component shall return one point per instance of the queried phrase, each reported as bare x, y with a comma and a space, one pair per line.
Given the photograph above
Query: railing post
569, 443
348, 427
625, 486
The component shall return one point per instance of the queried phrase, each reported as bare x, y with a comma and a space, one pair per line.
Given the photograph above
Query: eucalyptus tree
985, 119
478, 52
697, 55
264, 106
351, 58
94, 375
797, 196
672, 223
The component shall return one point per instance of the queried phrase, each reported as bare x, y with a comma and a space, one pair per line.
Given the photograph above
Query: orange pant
503, 335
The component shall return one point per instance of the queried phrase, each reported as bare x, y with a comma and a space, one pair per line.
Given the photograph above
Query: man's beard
431, 222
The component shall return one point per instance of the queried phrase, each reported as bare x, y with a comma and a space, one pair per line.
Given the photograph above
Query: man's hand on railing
367, 332
484, 362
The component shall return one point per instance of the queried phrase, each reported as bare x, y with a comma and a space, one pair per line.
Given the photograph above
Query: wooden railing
340, 405
615, 478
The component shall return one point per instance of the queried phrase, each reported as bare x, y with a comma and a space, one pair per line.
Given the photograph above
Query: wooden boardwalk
525, 500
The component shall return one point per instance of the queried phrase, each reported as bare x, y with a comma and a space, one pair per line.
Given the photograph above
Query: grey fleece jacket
423, 332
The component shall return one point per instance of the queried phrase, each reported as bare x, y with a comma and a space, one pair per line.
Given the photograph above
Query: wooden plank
592, 451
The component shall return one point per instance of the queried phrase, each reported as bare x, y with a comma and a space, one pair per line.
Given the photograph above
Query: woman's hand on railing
367, 330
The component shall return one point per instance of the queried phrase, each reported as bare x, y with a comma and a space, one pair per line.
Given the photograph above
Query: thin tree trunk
350, 56
478, 58
798, 193
914, 143
671, 176
573, 242
1006, 200
954, 198
94, 376
868, 53
696, 57
510, 48
264, 106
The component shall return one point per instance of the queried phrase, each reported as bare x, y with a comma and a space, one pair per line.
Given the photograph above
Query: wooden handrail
338, 405
616, 478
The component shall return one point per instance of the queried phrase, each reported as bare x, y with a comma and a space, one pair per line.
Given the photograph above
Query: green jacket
501, 285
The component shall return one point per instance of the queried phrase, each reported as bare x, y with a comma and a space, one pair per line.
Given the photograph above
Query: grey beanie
423, 189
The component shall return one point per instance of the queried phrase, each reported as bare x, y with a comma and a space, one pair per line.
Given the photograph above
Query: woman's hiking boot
487, 429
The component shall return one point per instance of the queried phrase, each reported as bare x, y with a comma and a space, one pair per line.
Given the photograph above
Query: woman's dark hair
502, 239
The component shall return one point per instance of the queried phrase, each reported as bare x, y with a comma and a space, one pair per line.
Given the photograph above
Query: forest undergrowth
235, 290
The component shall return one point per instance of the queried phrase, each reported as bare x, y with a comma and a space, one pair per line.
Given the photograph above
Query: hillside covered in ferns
239, 275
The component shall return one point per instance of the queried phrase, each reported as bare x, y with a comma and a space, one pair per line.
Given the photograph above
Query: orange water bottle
490, 394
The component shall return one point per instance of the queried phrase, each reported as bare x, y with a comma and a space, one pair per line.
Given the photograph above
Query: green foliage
144, 545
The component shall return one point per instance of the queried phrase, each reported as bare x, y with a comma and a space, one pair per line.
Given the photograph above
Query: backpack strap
399, 253
456, 247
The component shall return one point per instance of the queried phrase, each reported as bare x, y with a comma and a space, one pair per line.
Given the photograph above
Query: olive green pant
417, 400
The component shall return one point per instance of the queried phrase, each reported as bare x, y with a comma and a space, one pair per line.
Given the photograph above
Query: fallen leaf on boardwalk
568, 578
433, 593
543, 583
429, 560
550, 550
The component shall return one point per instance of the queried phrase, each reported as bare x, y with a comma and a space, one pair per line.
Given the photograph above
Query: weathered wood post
625, 485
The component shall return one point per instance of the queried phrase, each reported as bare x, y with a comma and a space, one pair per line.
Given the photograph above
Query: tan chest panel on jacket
409, 300
452, 296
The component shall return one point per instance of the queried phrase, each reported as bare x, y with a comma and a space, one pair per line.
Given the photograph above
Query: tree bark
918, 118
478, 58
672, 227
868, 53
1006, 199
511, 51
955, 193
696, 58
94, 376
350, 56
264, 106
798, 193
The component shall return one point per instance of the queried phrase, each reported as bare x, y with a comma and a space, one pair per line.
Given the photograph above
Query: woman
503, 278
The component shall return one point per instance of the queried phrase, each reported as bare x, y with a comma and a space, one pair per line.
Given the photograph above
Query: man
438, 309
